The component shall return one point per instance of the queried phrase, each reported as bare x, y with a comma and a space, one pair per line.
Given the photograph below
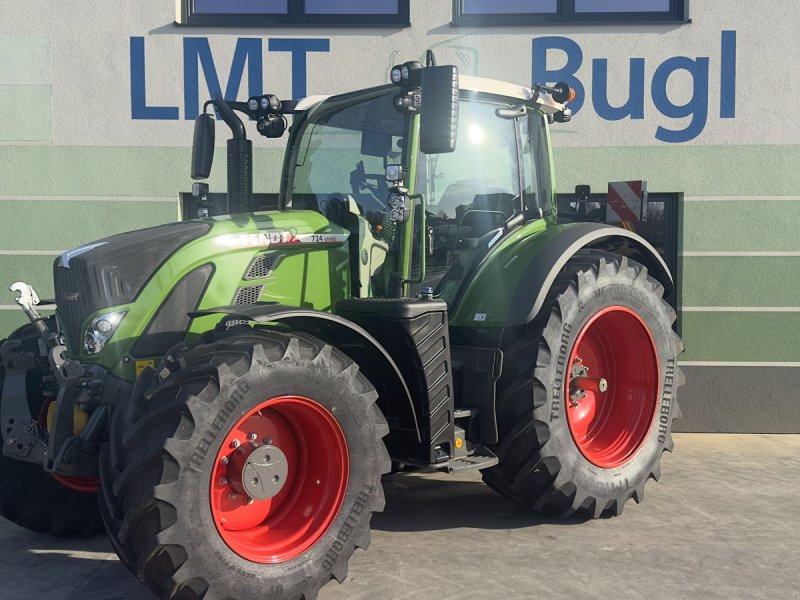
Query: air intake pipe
240, 162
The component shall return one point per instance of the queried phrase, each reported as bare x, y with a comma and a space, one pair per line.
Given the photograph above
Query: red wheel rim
312, 446
617, 352
84, 485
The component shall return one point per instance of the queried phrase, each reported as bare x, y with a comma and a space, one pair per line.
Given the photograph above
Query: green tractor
233, 387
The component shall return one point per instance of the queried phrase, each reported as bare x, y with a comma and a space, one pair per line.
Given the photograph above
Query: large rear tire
251, 468
29, 496
587, 398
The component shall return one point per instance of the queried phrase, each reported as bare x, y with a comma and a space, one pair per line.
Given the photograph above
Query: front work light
396, 75
395, 173
100, 331
408, 74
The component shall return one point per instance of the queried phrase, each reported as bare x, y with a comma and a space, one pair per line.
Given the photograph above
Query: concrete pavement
724, 522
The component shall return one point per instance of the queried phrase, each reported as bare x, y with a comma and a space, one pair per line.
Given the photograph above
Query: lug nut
233, 496
267, 441
224, 460
223, 481
235, 443
249, 501
252, 435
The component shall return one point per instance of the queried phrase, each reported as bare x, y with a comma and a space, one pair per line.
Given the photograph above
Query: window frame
678, 13
296, 16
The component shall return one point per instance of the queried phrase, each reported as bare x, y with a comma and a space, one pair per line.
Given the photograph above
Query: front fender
372, 358
511, 285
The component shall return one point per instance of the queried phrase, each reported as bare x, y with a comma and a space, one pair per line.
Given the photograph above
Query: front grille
248, 295
113, 271
262, 266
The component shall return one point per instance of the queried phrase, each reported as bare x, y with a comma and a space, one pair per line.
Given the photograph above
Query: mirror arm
230, 118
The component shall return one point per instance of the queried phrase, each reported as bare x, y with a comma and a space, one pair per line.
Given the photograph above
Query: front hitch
28, 299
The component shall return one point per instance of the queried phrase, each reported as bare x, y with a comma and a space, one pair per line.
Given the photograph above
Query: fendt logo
697, 68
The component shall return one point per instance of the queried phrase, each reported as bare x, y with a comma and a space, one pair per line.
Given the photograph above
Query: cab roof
469, 83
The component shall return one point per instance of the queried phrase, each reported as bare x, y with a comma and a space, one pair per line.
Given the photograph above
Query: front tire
586, 404
250, 470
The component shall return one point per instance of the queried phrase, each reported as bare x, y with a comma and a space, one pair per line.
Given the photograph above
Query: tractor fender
349, 338
533, 287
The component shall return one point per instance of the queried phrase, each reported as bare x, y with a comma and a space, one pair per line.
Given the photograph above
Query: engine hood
117, 270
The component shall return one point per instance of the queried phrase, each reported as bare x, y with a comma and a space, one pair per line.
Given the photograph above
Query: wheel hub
258, 471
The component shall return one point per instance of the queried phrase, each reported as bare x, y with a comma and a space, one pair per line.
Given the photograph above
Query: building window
516, 12
259, 13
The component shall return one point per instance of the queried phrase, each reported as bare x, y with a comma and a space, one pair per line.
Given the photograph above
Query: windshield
343, 150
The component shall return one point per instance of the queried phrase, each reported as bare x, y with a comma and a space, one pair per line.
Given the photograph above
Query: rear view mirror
203, 146
439, 114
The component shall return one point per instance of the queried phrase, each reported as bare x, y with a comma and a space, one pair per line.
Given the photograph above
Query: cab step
481, 458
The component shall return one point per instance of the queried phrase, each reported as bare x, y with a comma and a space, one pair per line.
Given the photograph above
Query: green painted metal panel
741, 226
693, 170
490, 291
71, 223
741, 281
750, 336
26, 60
25, 113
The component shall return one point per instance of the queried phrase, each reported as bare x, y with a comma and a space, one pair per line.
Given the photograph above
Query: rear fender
510, 288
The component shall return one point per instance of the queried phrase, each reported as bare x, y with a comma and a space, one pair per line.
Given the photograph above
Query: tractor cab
426, 174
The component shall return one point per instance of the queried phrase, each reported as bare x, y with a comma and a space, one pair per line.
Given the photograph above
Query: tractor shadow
424, 502
39, 566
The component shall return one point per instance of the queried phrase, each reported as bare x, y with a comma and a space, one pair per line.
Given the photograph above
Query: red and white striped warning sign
627, 201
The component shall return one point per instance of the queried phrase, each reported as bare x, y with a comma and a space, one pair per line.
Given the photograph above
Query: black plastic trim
169, 324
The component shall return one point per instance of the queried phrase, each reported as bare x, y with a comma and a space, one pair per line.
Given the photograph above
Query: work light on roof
396, 75
407, 74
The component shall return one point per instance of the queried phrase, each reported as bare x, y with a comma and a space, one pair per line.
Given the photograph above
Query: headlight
100, 331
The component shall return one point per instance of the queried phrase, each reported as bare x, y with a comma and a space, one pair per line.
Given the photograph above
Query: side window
536, 184
482, 175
